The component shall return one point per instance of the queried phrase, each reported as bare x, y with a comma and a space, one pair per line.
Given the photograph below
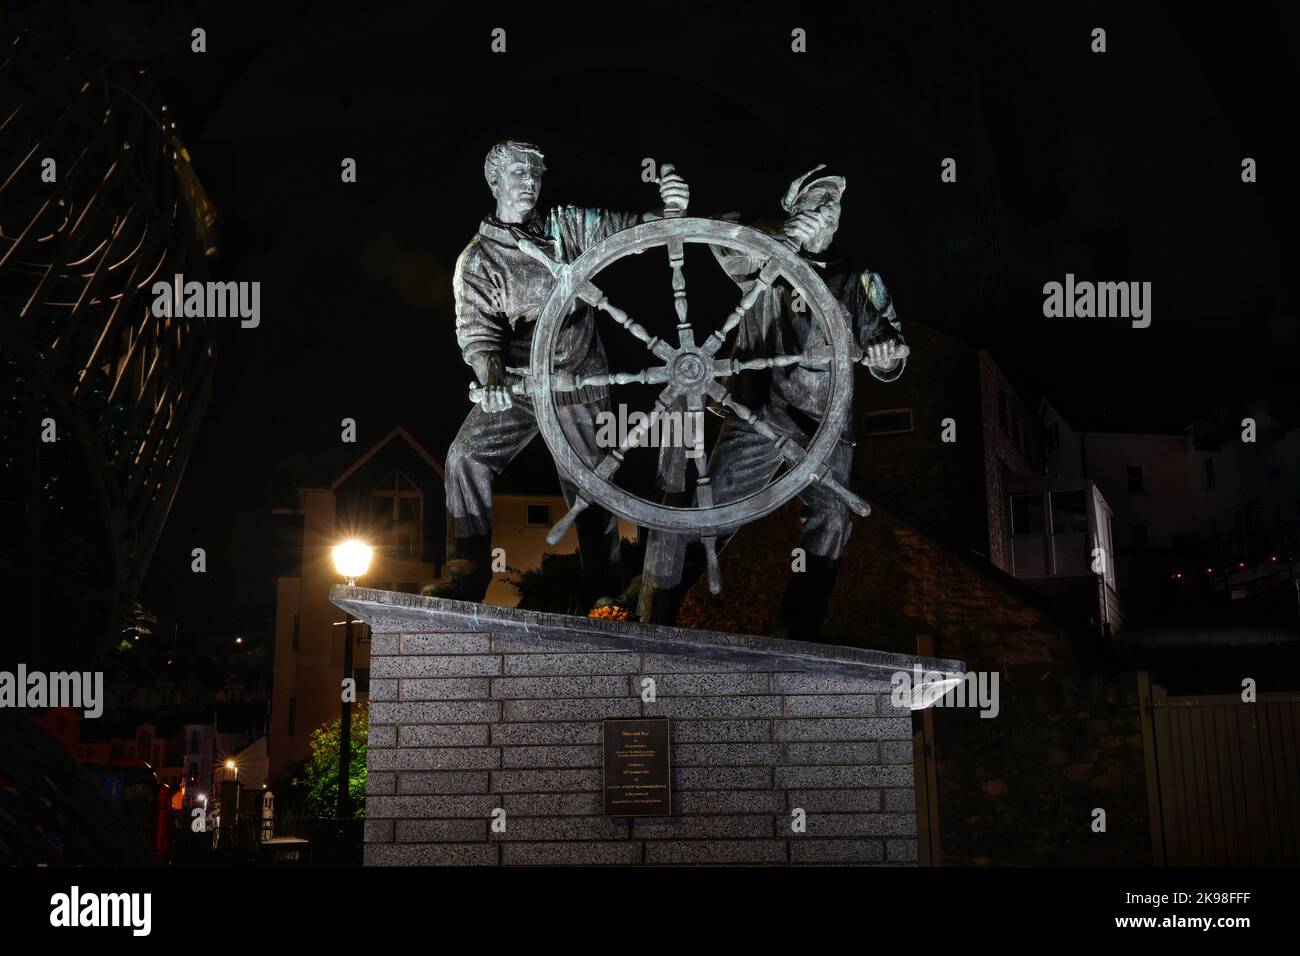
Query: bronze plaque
638, 768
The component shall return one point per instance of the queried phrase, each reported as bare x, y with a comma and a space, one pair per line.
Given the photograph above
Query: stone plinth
475, 709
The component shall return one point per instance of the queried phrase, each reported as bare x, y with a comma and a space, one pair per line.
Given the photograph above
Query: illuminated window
397, 516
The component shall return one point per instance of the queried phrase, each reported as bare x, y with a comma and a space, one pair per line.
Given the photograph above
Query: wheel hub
689, 368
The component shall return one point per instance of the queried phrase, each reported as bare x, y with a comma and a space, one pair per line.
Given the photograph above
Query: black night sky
1122, 166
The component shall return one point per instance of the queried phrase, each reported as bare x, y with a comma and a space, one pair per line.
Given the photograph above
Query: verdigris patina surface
501, 282
526, 302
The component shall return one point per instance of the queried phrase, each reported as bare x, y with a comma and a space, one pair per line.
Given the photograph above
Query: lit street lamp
351, 560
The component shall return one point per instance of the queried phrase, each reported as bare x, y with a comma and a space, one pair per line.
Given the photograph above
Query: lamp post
351, 559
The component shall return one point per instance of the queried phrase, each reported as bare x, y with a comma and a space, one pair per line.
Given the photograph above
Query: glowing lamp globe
351, 559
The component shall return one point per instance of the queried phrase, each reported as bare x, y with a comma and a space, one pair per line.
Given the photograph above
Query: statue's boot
806, 599
469, 571
627, 599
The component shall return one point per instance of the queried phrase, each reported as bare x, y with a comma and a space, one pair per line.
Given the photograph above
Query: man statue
500, 291
793, 399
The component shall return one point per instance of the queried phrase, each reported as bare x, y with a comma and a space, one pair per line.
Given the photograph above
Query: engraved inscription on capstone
638, 768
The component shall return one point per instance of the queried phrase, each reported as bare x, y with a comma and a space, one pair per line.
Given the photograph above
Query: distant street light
351, 560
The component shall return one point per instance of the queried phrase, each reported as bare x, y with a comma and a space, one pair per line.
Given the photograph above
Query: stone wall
467, 717
1018, 789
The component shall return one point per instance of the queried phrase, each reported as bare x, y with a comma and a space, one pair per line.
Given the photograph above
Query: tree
322, 767
556, 585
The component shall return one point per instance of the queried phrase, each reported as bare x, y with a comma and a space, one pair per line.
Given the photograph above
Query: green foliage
322, 767
556, 586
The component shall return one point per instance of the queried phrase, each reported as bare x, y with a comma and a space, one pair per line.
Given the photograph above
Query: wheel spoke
725, 367
588, 292
676, 259
612, 462
766, 276
789, 449
857, 504
709, 536
561, 527
568, 382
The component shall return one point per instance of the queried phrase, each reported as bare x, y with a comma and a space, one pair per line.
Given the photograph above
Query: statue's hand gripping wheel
690, 373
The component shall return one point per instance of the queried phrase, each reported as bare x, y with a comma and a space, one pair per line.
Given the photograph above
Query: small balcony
1061, 545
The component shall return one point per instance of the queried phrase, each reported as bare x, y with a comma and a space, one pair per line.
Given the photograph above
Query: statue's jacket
778, 324
500, 292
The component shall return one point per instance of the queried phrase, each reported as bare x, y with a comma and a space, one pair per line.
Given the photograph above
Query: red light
1209, 570
1241, 564
1178, 575
1273, 558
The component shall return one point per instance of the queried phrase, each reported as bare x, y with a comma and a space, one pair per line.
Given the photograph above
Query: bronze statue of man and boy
501, 285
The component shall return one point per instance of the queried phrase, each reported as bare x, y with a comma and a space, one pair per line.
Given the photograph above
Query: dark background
1123, 166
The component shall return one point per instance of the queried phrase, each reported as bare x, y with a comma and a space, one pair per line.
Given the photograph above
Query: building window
539, 516
293, 714
1209, 474
1069, 512
297, 624
1136, 486
362, 675
194, 773
397, 515
1027, 515
194, 742
889, 421
1139, 536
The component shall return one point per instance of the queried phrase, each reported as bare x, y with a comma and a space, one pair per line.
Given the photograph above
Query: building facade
393, 498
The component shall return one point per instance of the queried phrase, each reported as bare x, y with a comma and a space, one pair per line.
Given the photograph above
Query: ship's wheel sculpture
692, 374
